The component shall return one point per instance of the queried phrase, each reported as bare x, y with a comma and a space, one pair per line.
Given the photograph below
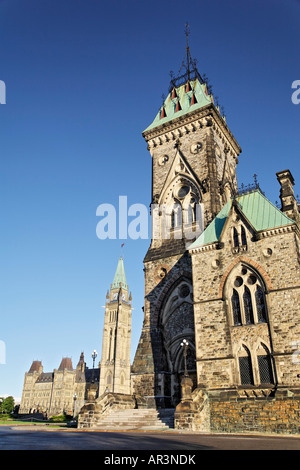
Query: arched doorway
177, 323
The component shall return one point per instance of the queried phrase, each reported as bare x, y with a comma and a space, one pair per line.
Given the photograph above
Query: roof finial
187, 31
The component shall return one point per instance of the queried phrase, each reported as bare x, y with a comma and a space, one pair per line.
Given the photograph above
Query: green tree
7, 404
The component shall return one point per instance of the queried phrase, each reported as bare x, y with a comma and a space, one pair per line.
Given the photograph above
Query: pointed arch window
246, 293
235, 238
179, 214
249, 319
265, 366
245, 365
191, 211
243, 236
176, 216
236, 308
239, 239
260, 305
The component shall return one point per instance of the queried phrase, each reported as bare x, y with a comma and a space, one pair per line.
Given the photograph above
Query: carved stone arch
169, 301
239, 347
226, 190
179, 361
175, 321
260, 272
180, 180
244, 289
170, 281
266, 370
261, 346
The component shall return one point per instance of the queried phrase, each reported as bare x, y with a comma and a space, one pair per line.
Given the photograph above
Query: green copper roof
257, 209
182, 100
120, 276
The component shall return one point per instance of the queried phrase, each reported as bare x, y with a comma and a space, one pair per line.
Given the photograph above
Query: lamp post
74, 406
185, 345
94, 355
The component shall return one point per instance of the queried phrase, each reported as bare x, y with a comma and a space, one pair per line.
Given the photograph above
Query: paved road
22, 438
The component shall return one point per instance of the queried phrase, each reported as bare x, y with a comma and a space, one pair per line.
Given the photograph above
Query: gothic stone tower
115, 360
194, 158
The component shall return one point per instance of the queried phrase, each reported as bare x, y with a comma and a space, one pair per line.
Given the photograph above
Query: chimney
289, 203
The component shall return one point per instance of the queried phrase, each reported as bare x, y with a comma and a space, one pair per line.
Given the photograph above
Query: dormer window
243, 236
235, 238
239, 239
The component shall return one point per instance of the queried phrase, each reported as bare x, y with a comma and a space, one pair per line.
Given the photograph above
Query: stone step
137, 419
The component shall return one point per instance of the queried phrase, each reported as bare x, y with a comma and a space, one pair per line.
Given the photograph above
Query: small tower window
243, 236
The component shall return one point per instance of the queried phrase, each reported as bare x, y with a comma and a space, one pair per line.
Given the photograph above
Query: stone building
231, 290
220, 342
52, 393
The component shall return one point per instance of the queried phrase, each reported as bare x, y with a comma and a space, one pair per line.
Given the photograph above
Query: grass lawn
6, 420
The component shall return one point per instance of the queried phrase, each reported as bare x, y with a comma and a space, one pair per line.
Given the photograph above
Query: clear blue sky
84, 78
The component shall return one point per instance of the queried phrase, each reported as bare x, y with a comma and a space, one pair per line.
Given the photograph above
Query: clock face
116, 296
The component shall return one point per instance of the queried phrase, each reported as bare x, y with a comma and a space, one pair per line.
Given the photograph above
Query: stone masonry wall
264, 415
275, 258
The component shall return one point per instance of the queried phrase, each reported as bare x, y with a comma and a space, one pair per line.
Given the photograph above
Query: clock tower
116, 343
194, 157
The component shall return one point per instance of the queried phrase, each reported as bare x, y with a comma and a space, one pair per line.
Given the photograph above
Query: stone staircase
143, 419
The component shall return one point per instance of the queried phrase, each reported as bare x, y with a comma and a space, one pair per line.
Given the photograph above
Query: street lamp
74, 398
94, 355
185, 345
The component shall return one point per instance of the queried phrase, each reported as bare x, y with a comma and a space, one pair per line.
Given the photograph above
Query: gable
179, 171
259, 212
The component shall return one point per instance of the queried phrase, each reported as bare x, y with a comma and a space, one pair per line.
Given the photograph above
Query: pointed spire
81, 363
120, 276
